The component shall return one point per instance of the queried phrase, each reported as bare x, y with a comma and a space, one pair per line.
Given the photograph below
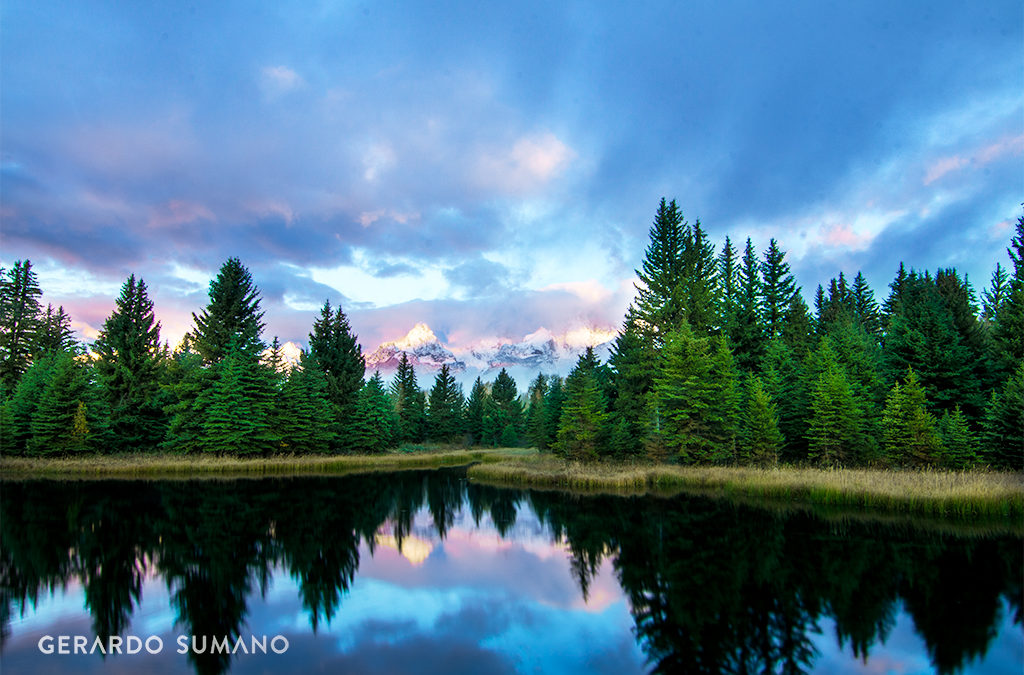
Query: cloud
529, 165
277, 80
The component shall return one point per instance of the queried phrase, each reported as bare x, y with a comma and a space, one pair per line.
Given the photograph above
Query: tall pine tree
335, 351
232, 316
19, 321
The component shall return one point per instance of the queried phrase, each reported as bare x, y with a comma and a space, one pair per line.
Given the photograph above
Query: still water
425, 572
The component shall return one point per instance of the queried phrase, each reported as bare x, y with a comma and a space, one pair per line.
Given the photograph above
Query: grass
148, 465
963, 494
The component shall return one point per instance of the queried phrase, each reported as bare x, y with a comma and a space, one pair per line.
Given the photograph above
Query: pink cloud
842, 235
1006, 146
178, 212
530, 164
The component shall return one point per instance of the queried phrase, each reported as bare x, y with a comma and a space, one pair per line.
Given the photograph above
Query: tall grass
145, 465
963, 494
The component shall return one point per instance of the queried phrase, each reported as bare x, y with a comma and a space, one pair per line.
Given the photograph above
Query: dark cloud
479, 277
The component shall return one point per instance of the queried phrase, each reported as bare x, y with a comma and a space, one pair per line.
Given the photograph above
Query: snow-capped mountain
539, 352
421, 346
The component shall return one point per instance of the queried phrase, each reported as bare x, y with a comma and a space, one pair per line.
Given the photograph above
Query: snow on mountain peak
588, 336
417, 337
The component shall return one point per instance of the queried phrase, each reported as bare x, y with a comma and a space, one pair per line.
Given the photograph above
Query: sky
494, 168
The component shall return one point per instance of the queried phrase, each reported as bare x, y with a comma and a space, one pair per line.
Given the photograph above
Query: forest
719, 360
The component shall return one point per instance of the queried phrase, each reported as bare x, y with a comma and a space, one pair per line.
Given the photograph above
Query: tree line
719, 360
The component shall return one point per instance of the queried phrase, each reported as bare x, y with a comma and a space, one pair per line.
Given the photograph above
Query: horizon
494, 172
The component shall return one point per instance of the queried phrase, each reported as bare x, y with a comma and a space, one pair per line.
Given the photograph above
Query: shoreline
963, 495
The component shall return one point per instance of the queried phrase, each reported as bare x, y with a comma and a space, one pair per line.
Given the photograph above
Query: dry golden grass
189, 466
959, 493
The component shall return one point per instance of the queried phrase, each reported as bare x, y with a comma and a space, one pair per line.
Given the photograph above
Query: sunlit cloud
277, 80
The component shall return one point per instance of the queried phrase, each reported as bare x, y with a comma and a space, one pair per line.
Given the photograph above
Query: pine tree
302, 415
475, 406
375, 421
129, 361
21, 406
632, 377
834, 431
995, 295
189, 386
338, 354
891, 306
54, 332
410, 406
729, 280
1009, 328
232, 316
865, 308
658, 303
67, 413
786, 385
777, 288
959, 444
700, 282
1003, 424
19, 321
746, 334
797, 328
502, 420
535, 413
762, 440
582, 431
554, 400
444, 408
695, 402
240, 408
911, 434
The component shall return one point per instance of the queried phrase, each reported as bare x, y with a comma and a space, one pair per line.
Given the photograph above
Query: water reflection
442, 566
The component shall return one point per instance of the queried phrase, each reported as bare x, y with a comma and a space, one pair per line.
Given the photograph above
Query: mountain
539, 352
421, 346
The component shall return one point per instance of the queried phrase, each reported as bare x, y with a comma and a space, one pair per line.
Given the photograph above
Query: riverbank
166, 465
964, 494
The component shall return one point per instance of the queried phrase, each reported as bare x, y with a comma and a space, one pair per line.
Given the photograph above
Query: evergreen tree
911, 434
129, 361
959, 444
239, 410
20, 407
410, 406
1003, 424
535, 412
762, 440
444, 409
554, 400
375, 420
699, 287
19, 321
995, 295
1009, 328
892, 304
302, 414
834, 431
632, 375
866, 310
695, 403
232, 316
502, 420
786, 384
582, 431
54, 332
778, 288
187, 386
338, 354
658, 303
67, 417
797, 328
729, 280
475, 407
746, 334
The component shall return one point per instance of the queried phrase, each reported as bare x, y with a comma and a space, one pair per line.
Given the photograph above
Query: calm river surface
424, 572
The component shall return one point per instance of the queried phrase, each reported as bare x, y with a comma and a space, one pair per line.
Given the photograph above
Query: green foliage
129, 364
502, 409
632, 364
554, 400
232, 317
54, 332
409, 403
835, 429
475, 406
375, 422
696, 403
746, 334
865, 309
760, 432
187, 387
658, 302
778, 288
911, 433
1003, 424
336, 352
444, 408
797, 330
582, 429
302, 416
67, 418
19, 409
239, 411
1009, 326
535, 413
19, 321
699, 288
959, 443
786, 384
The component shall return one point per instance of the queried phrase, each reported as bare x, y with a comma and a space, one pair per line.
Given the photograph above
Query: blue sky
493, 168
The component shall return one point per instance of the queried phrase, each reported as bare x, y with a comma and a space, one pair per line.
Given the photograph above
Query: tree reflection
712, 586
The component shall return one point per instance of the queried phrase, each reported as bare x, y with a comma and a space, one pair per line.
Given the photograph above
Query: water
424, 572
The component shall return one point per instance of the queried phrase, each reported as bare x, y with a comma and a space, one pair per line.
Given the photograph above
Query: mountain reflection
712, 586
